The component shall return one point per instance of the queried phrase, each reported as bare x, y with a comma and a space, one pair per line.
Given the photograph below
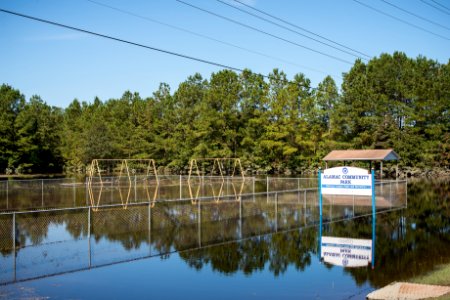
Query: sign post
373, 218
320, 213
349, 181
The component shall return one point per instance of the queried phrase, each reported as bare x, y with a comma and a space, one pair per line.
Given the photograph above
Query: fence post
390, 193
254, 189
240, 219
86, 190
14, 232
7, 194
135, 188
74, 192
112, 190
89, 235
181, 187
199, 223
406, 193
14, 243
305, 200
42, 192
276, 211
149, 228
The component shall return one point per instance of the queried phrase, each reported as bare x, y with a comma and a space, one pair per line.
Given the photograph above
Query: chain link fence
52, 241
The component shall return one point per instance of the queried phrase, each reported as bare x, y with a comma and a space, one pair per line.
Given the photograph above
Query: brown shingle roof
375, 154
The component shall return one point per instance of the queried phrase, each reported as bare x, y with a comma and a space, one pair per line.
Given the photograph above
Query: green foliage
38, 130
11, 104
273, 125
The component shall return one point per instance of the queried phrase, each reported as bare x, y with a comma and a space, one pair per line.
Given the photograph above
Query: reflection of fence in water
58, 241
41, 242
54, 242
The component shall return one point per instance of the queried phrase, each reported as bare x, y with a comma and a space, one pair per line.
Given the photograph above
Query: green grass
440, 276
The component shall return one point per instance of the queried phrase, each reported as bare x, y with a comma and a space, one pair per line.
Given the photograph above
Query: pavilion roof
367, 155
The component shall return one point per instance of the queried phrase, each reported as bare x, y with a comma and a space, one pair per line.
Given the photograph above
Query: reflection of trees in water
409, 242
276, 251
34, 226
6, 235
128, 226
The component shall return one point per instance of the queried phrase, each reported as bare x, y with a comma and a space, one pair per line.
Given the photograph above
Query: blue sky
60, 65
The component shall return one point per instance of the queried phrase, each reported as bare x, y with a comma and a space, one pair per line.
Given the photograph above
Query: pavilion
370, 155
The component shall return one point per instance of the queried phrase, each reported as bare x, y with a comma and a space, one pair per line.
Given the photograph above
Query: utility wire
400, 20
301, 28
436, 7
441, 5
265, 32
142, 46
415, 15
203, 36
121, 40
289, 29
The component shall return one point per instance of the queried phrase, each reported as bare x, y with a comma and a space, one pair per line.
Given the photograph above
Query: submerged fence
43, 194
51, 227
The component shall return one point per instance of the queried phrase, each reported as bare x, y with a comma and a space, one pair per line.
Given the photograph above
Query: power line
400, 20
203, 36
264, 32
140, 45
301, 28
121, 40
441, 5
289, 29
415, 15
436, 7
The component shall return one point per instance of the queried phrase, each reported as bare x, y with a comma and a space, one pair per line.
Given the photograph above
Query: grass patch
440, 276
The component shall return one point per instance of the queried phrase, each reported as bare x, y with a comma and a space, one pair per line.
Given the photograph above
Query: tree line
273, 124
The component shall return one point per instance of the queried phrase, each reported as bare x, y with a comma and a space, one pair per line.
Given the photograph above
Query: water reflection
346, 252
272, 231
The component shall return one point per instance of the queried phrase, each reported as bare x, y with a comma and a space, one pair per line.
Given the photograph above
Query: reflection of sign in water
346, 181
346, 252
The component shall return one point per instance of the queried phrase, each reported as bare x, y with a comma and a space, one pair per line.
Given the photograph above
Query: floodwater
262, 246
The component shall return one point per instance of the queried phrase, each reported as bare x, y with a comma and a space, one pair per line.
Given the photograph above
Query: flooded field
251, 239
